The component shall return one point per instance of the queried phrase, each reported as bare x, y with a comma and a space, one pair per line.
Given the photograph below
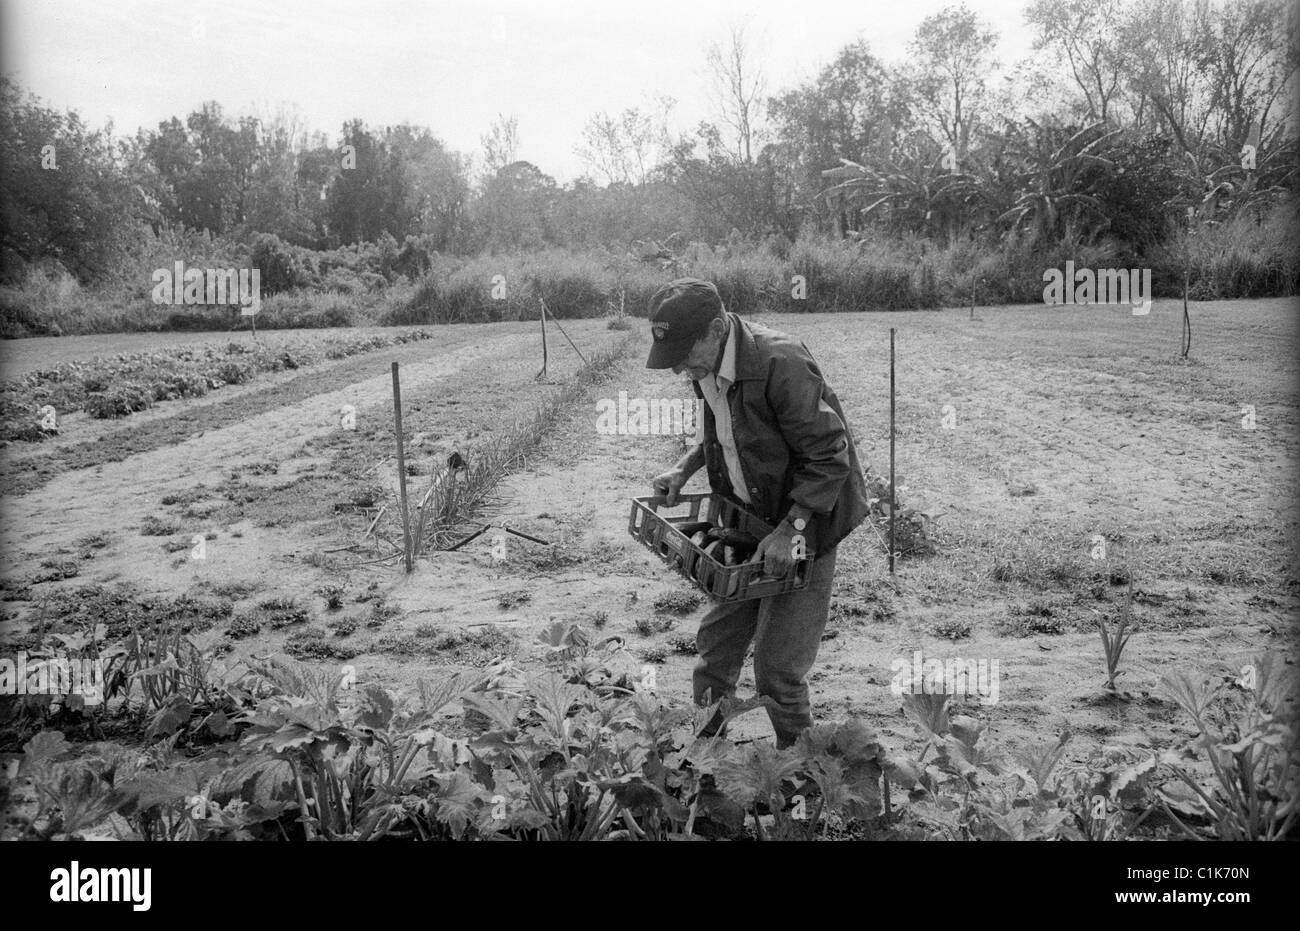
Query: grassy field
1033, 433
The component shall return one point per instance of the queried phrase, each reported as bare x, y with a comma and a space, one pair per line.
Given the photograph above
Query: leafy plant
174, 678
677, 602
1104, 796
914, 528
72, 795
333, 595
915, 191
1249, 732
1058, 178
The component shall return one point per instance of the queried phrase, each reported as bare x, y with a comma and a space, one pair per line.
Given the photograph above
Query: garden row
284, 751
119, 386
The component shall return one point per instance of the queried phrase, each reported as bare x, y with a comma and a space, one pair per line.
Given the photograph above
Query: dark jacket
791, 437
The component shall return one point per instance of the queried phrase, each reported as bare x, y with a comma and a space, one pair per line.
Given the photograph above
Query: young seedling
1113, 641
333, 595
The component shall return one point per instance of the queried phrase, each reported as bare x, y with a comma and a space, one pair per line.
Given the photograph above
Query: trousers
786, 631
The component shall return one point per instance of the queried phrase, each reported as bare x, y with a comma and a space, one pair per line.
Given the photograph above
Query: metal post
1187, 274
401, 469
542, 373
893, 504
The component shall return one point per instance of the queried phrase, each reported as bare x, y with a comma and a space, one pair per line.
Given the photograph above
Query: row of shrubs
353, 269
301, 288
51, 303
411, 284
1247, 257
814, 276
1241, 259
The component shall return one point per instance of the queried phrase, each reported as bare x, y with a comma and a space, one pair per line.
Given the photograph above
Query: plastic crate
659, 533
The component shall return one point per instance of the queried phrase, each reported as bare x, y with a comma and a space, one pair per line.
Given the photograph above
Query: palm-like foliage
1057, 176
913, 192
1215, 183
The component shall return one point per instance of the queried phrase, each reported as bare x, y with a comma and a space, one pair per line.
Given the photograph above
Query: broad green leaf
967, 730
1129, 785
717, 807
903, 771
857, 743
504, 713
927, 710
1192, 695
554, 698
456, 797
170, 718
45, 746
219, 725
757, 774
634, 793
434, 696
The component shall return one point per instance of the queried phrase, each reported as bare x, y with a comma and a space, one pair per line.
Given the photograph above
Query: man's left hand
777, 550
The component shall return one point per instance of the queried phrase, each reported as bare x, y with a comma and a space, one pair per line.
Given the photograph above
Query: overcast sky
449, 65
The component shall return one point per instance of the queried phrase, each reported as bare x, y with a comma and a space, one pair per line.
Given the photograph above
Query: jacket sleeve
815, 435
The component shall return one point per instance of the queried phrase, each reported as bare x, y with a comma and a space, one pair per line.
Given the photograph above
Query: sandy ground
1031, 431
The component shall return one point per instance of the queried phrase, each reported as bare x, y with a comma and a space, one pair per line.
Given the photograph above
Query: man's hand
669, 484
777, 550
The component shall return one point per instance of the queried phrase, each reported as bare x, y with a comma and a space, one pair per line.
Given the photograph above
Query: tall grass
1012, 273
869, 274
31, 308
1251, 255
492, 288
836, 276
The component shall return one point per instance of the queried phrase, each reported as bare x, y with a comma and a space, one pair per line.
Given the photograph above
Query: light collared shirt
714, 388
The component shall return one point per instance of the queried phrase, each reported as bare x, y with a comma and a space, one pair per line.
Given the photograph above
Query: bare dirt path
116, 496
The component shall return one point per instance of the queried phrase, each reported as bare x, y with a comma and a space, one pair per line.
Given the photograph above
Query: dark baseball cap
680, 313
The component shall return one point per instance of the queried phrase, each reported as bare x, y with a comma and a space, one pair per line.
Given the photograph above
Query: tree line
1133, 116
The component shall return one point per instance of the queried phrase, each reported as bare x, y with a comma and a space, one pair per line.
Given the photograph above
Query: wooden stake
401, 469
893, 504
1187, 276
542, 373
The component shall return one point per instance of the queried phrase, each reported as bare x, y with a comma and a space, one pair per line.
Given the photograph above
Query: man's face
700, 362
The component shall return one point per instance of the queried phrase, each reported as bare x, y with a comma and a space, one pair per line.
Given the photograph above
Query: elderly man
777, 443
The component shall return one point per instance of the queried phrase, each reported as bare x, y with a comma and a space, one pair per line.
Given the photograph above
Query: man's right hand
669, 484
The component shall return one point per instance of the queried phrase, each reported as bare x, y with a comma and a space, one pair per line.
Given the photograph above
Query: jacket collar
727, 364
749, 362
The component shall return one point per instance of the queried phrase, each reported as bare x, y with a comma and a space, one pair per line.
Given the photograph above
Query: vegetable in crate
691, 529
738, 543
